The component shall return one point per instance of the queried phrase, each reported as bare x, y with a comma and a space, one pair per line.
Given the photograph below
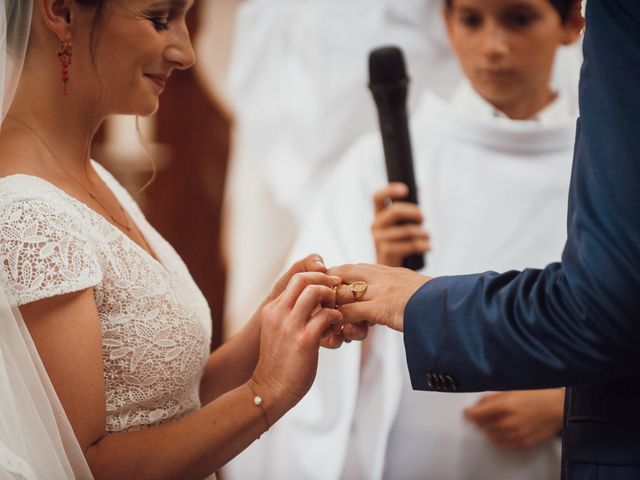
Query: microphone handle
399, 161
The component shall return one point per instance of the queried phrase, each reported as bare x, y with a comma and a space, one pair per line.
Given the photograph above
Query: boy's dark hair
563, 7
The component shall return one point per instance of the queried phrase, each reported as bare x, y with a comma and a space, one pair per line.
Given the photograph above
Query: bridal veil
36, 439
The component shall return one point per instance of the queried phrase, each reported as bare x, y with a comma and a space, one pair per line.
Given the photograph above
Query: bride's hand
293, 326
311, 263
337, 334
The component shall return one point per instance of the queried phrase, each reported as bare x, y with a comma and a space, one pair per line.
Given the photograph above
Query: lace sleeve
44, 251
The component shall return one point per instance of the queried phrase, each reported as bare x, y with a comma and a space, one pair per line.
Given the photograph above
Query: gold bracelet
257, 401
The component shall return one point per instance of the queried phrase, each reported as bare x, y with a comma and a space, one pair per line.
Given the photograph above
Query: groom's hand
387, 293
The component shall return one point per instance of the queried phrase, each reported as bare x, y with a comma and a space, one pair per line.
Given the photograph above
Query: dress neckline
151, 254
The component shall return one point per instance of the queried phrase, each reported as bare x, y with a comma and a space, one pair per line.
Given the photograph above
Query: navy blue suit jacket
575, 323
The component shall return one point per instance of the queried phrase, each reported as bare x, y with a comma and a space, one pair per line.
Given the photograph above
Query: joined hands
388, 291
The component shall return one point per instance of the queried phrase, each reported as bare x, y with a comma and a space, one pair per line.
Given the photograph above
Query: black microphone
388, 82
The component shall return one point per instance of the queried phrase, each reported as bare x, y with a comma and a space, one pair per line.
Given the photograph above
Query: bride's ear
58, 16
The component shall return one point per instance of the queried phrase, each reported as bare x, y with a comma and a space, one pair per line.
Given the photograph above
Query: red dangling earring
64, 55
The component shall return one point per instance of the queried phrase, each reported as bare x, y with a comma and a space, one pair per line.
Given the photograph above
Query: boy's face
507, 47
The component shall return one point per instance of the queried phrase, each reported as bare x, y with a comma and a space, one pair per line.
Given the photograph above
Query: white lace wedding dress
156, 324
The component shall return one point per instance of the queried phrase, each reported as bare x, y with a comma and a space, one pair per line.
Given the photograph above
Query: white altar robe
298, 89
494, 194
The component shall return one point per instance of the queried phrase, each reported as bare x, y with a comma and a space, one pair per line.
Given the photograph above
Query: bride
121, 328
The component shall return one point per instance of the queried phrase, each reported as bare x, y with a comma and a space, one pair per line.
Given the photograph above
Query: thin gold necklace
127, 227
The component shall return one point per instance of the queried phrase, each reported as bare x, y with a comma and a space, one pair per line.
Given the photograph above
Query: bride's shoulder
24, 188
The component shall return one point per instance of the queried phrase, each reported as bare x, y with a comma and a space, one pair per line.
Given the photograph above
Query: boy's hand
397, 228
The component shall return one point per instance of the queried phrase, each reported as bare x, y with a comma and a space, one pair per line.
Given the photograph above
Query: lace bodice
156, 324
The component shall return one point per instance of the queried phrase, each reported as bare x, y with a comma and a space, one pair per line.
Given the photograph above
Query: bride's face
132, 51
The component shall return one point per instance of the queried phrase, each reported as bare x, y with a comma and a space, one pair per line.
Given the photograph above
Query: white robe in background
298, 90
494, 194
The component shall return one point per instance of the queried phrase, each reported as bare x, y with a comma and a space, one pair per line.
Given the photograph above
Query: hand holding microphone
397, 227
388, 82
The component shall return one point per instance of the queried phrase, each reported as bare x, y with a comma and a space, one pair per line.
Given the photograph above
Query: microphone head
386, 65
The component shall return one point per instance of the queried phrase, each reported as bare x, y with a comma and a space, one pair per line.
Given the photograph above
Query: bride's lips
157, 78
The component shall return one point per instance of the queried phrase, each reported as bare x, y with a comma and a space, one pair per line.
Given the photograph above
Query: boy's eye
470, 20
519, 20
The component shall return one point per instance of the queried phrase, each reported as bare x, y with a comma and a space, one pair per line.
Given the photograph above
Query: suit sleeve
576, 322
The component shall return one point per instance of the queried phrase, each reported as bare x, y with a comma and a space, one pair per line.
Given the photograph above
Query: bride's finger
309, 300
311, 263
321, 321
355, 331
332, 341
359, 312
300, 281
358, 272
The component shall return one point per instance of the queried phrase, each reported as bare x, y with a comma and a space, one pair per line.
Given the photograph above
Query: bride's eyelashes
160, 21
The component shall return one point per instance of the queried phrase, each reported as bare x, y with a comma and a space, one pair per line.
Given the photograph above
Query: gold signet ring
358, 289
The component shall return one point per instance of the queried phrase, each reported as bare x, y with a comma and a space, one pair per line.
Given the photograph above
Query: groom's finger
359, 312
345, 295
352, 273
